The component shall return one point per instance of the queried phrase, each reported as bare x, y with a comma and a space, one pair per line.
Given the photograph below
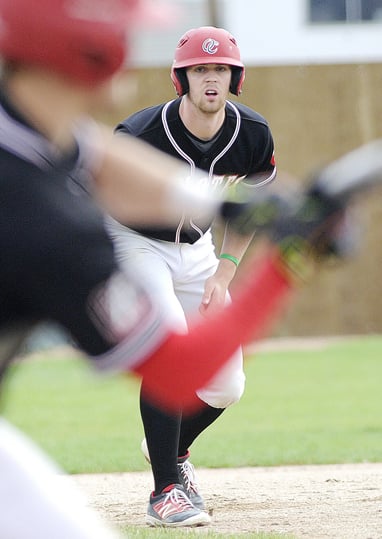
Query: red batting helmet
86, 40
207, 45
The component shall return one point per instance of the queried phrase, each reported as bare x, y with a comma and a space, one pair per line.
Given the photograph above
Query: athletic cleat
188, 480
187, 477
172, 508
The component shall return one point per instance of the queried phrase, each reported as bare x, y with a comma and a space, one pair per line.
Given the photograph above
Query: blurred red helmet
207, 45
87, 40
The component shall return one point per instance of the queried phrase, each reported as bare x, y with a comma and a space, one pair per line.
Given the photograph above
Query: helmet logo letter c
210, 46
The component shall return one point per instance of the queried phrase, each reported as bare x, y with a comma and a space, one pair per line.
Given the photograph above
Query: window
345, 11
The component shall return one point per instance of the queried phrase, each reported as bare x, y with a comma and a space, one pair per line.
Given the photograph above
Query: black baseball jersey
243, 148
57, 262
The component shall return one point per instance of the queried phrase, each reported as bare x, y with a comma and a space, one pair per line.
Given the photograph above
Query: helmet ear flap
180, 81
237, 79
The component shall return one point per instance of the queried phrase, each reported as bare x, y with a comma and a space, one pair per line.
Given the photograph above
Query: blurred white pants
36, 500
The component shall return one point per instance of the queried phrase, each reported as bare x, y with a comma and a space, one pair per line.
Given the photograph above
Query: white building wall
278, 32
269, 32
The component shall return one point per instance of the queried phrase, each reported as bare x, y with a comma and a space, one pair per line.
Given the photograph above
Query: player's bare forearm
139, 184
233, 248
235, 245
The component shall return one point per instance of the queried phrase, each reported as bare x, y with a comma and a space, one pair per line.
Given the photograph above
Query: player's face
209, 86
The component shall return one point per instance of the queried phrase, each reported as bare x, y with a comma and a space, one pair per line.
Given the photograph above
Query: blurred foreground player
57, 261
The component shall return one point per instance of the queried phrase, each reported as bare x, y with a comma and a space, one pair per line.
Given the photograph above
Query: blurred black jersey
57, 262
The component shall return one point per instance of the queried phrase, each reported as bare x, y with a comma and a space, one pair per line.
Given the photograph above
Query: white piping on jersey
191, 162
263, 182
233, 138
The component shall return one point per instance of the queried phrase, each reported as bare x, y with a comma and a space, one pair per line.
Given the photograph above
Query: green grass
304, 407
86, 422
299, 407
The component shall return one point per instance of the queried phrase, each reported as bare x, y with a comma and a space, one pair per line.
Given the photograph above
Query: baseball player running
230, 142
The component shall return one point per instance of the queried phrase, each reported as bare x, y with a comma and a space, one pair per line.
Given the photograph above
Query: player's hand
248, 210
313, 228
281, 213
306, 224
214, 296
313, 219
317, 214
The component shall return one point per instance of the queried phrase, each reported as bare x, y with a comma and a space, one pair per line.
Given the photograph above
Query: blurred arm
139, 184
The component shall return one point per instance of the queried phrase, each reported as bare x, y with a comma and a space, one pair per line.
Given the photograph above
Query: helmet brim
210, 60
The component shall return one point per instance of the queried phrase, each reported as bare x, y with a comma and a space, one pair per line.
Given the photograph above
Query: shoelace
179, 498
187, 471
175, 501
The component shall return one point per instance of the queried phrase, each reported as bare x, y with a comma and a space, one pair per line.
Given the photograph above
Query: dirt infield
341, 501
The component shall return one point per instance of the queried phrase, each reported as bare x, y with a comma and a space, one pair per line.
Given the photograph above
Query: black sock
162, 437
170, 436
192, 426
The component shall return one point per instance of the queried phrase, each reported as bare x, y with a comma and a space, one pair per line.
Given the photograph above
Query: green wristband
231, 258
